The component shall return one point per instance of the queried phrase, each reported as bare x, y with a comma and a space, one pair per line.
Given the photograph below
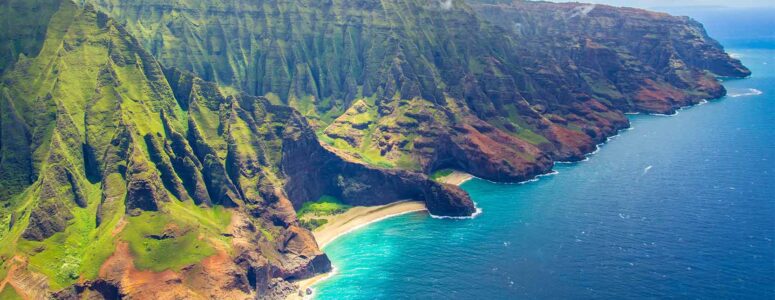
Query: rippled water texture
678, 206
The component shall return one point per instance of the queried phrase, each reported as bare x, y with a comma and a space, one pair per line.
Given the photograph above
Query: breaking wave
750, 92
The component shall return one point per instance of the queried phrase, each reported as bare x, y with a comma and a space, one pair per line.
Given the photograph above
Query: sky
679, 3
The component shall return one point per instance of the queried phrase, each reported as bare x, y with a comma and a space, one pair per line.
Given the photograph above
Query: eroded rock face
93, 290
570, 73
314, 171
634, 59
144, 189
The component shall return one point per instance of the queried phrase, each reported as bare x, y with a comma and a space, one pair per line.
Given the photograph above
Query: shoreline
361, 216
342, 224
456, 178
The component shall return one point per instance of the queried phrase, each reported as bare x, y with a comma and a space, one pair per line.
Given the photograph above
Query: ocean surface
680, 206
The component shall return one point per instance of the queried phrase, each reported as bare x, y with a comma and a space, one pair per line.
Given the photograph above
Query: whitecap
646, 170
751, 92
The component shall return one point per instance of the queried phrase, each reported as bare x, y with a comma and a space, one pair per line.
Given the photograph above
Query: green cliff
505, 86
122, 177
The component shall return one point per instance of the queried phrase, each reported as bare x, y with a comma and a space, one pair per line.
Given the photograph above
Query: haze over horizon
654, 4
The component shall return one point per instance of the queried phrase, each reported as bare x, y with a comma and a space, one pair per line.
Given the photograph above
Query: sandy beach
456, 178
354, 218
360, 216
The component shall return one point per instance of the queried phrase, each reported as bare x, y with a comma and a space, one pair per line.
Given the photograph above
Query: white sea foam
528, 181
327, 277
536, 178
751, 92
646, 170
597, 149
552, 173
474, 215
666, 115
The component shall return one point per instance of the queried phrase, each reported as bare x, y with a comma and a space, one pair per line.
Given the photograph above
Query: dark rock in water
308, 291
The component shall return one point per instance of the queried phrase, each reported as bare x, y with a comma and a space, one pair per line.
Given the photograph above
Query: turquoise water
680, 206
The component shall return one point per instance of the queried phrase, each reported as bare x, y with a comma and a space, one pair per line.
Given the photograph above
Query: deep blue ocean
680, 206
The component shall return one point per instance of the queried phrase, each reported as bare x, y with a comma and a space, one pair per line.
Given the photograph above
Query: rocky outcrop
314, 171
97, 289
144, 189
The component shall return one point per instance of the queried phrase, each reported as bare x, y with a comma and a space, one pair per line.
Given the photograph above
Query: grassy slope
326, 205
9, 293
60, 81
371, 51
441, 174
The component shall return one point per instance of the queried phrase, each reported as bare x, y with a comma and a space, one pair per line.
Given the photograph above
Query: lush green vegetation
9, 293
441, 174
78, 252
88, 82
312, 223
326, 205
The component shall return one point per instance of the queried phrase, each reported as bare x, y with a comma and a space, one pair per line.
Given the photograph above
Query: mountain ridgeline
161, 148
506, 87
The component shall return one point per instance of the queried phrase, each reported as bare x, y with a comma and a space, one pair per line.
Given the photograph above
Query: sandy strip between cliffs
456, 177
361, 216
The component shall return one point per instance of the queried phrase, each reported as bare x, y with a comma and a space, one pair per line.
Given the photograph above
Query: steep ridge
499, 89
123, 178
640, 61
